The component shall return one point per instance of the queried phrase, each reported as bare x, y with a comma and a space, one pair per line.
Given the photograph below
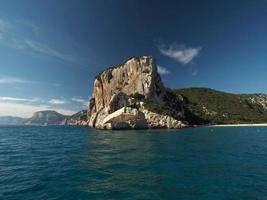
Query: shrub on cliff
137, 96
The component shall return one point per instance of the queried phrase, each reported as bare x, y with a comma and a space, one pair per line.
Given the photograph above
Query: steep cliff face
119, 96
137, 75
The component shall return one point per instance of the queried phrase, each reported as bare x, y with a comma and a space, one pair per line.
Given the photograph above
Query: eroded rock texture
115, 103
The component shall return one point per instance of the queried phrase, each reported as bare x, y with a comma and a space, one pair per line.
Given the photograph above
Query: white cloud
26, 110
162, 70
11, 80
25, 107
180, 53
57, 101
12, 99
15, 99
80, 100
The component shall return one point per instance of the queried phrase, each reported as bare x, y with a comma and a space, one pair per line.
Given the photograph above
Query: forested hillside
204, 105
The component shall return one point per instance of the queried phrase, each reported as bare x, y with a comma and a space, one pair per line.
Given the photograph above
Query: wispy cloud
15, 99
25, 107
11, 80
194, 72
17, 80
33, 27
10, 35
57, 101
80, 100
180, 53
163, 70
4, 25
44, 49
26, 110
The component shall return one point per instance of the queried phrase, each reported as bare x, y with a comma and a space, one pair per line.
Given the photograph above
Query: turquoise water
55, 162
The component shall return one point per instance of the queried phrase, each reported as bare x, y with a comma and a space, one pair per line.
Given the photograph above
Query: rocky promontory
132, 96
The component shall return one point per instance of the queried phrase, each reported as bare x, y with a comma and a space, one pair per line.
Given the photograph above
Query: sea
70, 162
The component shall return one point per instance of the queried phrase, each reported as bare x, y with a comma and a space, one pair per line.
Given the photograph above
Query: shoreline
237, 125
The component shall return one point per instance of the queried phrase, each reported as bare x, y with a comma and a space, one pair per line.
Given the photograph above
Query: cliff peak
136, 75
117, 87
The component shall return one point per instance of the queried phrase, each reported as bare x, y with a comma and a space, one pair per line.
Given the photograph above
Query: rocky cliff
79, 118
123, 95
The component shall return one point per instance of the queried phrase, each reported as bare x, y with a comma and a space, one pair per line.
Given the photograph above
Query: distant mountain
79, 118
47, 117
205, 105
10, 120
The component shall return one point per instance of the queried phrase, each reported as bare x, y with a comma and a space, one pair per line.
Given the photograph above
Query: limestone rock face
118, 101
155, 120
114, 105
137, 75
125, 118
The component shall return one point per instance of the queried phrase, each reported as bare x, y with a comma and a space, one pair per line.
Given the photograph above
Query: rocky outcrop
155, 120
125, 118
119, 96
137, 75
79, 118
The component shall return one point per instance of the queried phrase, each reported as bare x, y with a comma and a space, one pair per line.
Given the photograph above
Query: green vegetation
158, 107
171, 105
91, 103
204, 105
81, 115
162, 107
208, 106
137, 96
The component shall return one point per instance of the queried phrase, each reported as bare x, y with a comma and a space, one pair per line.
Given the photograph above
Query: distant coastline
47, 117
233, 125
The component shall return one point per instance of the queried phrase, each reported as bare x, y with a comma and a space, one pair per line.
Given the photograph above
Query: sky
51, 51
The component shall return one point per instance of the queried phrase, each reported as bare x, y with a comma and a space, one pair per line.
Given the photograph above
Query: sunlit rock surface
114, 104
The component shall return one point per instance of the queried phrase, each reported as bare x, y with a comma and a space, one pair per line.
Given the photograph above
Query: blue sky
50, 51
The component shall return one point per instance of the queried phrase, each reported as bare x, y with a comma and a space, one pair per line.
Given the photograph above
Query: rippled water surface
60, 162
